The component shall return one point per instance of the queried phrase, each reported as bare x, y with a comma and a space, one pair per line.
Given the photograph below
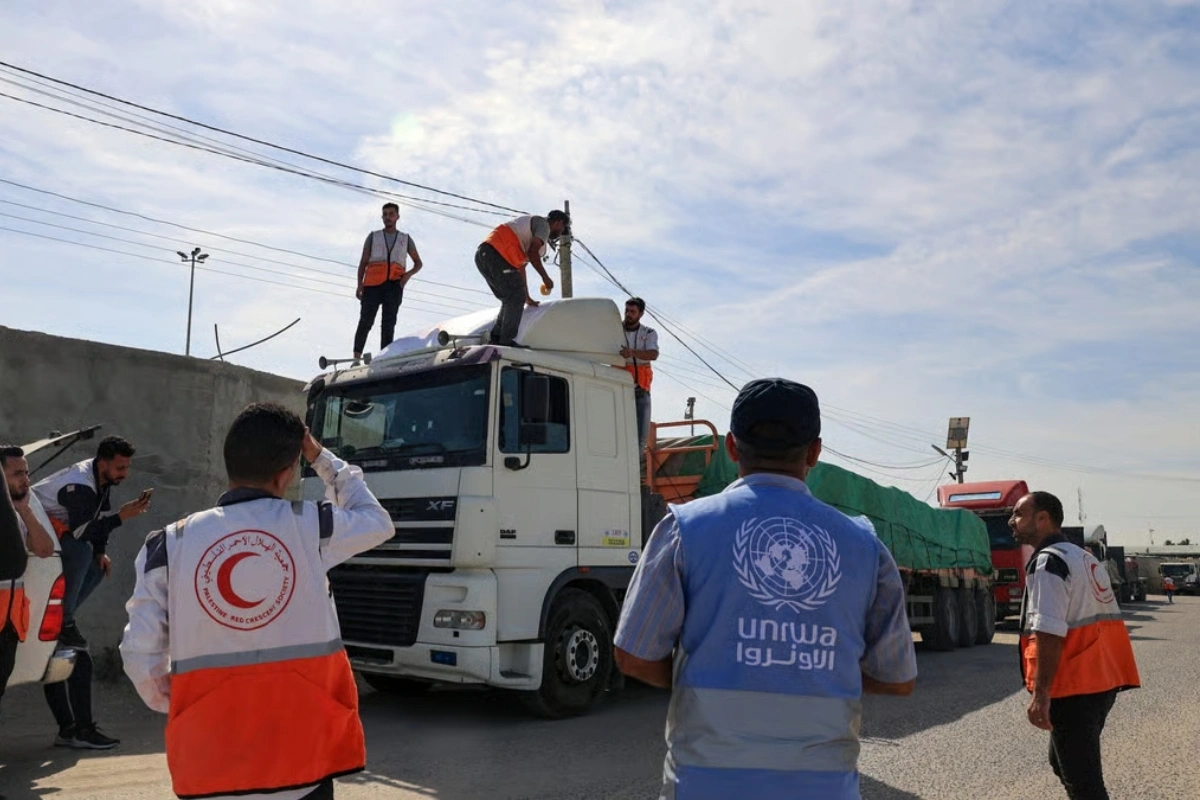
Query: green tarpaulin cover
918, 535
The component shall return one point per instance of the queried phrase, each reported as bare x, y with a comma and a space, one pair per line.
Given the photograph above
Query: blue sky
921, 209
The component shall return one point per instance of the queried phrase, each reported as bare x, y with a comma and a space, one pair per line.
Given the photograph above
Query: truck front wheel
968, 618
985, 609
578, 661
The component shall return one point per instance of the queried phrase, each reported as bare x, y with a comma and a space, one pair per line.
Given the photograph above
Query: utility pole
956, 440
195, 256
1079, 496
690, 413
564, 255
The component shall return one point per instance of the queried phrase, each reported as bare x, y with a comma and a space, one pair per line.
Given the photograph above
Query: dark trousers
70, 701
323, 792
508, 284
387, 295
80, 573
1075, 743
8, 654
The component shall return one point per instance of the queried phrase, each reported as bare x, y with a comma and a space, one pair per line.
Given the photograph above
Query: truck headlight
460, 620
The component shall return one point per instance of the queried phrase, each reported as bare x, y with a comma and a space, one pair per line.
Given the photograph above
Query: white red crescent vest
386, 264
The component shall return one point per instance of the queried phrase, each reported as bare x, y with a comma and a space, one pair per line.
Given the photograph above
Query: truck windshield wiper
432, 447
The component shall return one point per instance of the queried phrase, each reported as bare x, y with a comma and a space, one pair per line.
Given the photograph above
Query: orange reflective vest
1097, 654
512, 241
16, 605
262, 696
1168, 585
386, 263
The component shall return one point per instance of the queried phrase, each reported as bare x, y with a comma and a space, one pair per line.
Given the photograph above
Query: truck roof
982, 495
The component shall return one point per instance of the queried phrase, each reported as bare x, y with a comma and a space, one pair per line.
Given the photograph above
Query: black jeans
323, 792
8, 654
389, 295
508, 284
70, 701
1075, 743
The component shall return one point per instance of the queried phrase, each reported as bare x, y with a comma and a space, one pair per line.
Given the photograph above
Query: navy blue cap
790, 405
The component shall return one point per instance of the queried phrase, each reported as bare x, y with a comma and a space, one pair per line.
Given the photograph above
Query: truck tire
393, 685
943, 634
968, 617
578, 662
985, 610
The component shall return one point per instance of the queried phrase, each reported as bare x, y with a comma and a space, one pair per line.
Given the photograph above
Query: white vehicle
39, 658
1186, 575
512, 475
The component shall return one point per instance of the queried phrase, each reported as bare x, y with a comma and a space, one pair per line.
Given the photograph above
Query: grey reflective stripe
1094, 619
728, 729
248, 657
325, 519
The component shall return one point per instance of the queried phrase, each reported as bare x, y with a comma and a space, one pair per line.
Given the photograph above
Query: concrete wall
175, 410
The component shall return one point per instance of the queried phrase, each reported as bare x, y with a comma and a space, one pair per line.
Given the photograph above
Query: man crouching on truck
232, 629
767, 613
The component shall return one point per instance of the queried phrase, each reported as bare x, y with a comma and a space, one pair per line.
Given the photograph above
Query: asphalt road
961, 735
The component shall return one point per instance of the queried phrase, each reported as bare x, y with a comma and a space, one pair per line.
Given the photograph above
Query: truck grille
378, 606
424, 532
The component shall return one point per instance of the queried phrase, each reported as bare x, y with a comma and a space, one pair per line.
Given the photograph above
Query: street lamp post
193, 257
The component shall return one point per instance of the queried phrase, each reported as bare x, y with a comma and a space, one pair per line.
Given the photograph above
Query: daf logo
440, 505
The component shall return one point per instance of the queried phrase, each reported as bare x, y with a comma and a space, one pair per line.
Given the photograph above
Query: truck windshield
999, 532
421, 421
1175, 570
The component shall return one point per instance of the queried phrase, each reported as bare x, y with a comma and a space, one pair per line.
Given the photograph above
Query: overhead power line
262, 142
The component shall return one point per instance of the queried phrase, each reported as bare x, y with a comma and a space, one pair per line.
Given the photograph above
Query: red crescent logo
1102, 593
225, 582
270, 570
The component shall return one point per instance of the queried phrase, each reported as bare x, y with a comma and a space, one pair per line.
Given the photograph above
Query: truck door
608, 475
535, 478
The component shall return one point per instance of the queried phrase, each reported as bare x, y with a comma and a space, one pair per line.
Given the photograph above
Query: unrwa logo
787, 564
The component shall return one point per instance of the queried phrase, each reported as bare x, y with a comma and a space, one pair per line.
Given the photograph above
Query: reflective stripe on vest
767, 692
1097, 653
386, 264
15, 603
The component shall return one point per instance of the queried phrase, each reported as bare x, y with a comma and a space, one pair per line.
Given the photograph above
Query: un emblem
786, 564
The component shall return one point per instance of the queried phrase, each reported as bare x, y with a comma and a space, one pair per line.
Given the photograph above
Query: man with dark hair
768, 614
233, 632
641, 347
33, 531
77, 500
382, 277
1075, 651
502, 259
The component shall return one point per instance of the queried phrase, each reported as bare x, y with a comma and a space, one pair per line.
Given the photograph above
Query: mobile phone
145, 495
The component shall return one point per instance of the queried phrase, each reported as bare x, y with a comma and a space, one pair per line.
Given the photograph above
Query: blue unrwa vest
767, 691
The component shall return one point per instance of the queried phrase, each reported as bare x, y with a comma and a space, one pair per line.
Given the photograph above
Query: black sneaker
89, 737
65, 737
71, 637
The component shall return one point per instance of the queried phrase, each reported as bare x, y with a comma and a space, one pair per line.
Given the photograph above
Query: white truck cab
512, 475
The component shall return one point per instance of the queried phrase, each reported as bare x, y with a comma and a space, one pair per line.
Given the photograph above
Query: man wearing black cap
768, 614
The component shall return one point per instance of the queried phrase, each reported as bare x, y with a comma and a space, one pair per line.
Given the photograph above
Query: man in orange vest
382, 277
1075, 651
232, 630
16, 516
641, 347
502, 259
1169, 589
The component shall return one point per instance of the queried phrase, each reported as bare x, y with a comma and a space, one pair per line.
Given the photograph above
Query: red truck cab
993, 502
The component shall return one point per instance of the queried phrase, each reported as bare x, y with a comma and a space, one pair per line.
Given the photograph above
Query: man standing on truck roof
1075, 650
641, 347
767, 613
232, 629
502, 259
382, 277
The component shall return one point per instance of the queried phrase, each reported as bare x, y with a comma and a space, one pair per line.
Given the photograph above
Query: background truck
1186, 575
943, 555
513, 479
993, 502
